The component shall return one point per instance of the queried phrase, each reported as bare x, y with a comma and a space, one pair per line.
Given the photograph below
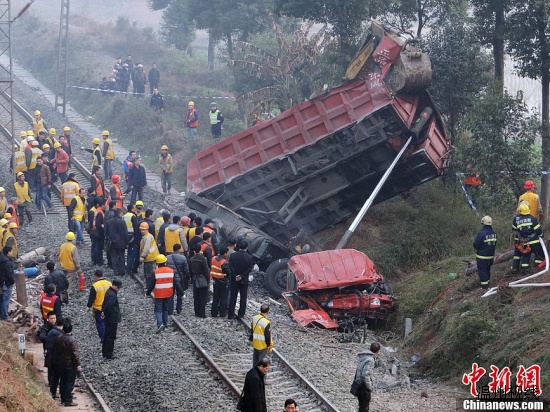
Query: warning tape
147, 94
468, 198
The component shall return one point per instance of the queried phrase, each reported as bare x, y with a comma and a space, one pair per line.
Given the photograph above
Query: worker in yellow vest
3, 202
51, 140
77, 216
96, 154
532, 200
148, 251
108, 153
38, 123
95, 301
69, 190
166, 169
31, 155
174, 235
23, 193
3, 230
11, 241
260, 335
69, 260
139, 211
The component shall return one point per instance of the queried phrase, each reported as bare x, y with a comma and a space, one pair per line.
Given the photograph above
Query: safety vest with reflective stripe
213, 116
99, 187
9, 234
216, 270
22, 192
128, 220
153, 251
118, 193
3, 205
259, 323
205, 245
69, 190
37, 125
190, 115
101, 287
97, 212
80, 209
159, 221
14, 216
96, 155
66, 256
164, 282
36, 153
171, 238
20, 162
47, 303
110, 150
2, 233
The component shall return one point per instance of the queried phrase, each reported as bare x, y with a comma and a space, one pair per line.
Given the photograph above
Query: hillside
419, 243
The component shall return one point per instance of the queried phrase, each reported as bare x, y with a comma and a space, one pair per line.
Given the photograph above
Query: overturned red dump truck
315, 164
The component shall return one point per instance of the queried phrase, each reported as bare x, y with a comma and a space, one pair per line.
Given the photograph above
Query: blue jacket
527, 227
485, 243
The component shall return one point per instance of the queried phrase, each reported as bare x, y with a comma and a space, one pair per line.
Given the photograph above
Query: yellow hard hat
22, 133
164, 147
37, 112
7, 215
34, 143
143, 226
523, 209
13, 225
105, 133
96, 140
70, 236
139, 203
56, 145
2, 189
66, 129
30, 133
161, 259
19, 174
191, 103
45, 146
3, 222
53, 131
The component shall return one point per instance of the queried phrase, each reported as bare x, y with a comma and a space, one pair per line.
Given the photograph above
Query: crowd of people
126, 74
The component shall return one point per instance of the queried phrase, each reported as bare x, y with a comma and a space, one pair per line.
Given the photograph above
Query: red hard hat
529, 184
184, 221
115, 178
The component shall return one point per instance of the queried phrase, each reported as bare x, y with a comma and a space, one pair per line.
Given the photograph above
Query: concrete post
408, 326
21, 287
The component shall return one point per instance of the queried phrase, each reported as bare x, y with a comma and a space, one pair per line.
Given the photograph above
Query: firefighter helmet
529, 184
523, 209
486, 220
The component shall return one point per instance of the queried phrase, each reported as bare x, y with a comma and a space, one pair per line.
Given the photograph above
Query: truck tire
275, 277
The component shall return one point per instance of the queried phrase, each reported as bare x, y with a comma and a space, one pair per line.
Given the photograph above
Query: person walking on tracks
77, 215
61, 162
178, 263
24, 199
69, 190
527, 239
95, 301
260, 335
97, 182
108, 153
485, 243
43, 184
148, 251
241, 264
253, 397
163, 284
110, 313
69, 260
96, 154
363, 376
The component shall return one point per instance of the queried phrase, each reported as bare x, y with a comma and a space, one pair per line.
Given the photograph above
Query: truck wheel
275, 277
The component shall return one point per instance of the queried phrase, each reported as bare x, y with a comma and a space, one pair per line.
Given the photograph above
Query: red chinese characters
473, 378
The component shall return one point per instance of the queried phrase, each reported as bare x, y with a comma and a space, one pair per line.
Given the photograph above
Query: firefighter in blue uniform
527, 239
485, 244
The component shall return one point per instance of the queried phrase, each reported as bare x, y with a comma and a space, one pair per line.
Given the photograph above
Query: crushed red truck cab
325, 287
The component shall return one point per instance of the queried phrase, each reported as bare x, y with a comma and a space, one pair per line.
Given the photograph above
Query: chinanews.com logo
501, 394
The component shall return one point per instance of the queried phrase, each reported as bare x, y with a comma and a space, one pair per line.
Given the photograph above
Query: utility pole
6, 78
62, 58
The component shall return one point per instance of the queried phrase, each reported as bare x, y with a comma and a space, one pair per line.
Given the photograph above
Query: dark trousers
23, 210
525, 258
67, 376
70, 221
364, 398
219, 298
137, 194
117, 260
133, 251
200, 296
179, 302
109, 340
484, 270
100, 325
237, 287
53, 379
97, 250
166, 181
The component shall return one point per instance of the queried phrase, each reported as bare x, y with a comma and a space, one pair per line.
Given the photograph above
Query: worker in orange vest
116, 193
50, 302
472, 182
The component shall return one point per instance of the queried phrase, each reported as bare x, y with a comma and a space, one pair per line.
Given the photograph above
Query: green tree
500, 131
460, 69
177, 28
528, 42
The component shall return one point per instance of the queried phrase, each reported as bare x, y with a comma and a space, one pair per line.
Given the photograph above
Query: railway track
283, 380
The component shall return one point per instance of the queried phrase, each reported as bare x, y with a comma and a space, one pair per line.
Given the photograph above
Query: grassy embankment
416, 243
